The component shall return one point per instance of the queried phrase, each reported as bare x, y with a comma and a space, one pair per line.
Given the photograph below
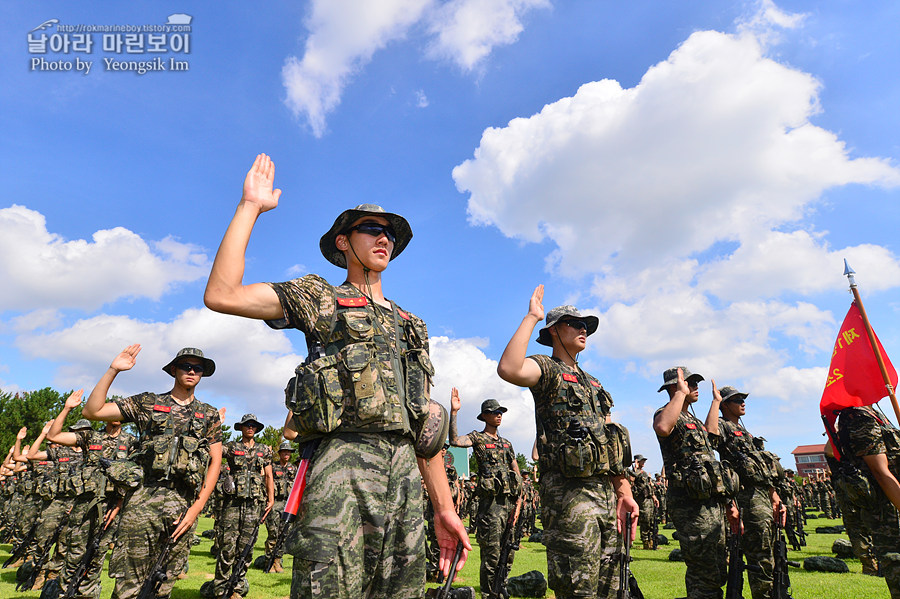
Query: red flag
854, 378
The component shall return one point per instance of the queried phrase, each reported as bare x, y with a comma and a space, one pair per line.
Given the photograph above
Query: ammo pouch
703, 479
125, 475
419, 371
578, 457
314, 396
618, 448
180, 458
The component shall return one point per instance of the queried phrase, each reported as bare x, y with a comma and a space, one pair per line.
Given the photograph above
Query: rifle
239, 569
157, 576
22, 547
736, 565
781, 582
292, 505
26, 584
628, 586
444, 591
91, 551
654, 527
507, 545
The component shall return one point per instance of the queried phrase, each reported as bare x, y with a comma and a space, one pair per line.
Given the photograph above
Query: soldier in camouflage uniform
872, 444
433, 552
757, 499
499, 483
700, 488
360, 527
179, 451
283, 474
582, 456
254, 488
39, 493
68, 463
852, 516
643, 491
661, 490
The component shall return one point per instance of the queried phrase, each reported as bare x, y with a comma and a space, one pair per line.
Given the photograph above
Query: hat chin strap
575, 359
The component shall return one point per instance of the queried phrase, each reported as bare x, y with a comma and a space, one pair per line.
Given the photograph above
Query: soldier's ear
341, 242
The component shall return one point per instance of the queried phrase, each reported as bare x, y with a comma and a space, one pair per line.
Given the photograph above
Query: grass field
657, 577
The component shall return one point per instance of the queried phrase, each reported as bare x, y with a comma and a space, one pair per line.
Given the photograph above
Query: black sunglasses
575, 324
188, 367
375, 230
739, 400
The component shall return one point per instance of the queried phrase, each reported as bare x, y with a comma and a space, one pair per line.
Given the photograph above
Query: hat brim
544, 337
735, 396
501, 409
326, 244
257, 425
693, 378
209, 367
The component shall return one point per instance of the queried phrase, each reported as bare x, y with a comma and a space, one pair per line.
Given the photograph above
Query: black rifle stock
22, 547
26, 584
241, 563
91, 551
628, 586
736, 565
158, 575
781, 581
444, 591
508, 543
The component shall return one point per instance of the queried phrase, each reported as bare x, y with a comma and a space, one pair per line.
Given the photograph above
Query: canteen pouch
578, 457
419, 374
315, 398
357, 361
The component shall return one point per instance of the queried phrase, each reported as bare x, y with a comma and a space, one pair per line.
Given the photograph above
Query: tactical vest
572, 434
738, 452
284, 478
247, 465
93, 479
691, 466
362, 383
116, 448
857, 481
495, 456
45, 479
452, 477
170, 456
642, 488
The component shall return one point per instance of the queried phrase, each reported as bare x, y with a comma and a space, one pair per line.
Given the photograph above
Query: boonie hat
490, 405
247, 419
209, 367
555, 314
639, 457
285, 446
728, 392
82, 424
670, 377
401, 227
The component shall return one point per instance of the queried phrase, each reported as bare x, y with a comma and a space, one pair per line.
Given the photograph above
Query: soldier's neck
368, 283
490, 430
181, 394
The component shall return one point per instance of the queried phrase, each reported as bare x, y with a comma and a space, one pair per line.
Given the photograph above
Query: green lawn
657, 577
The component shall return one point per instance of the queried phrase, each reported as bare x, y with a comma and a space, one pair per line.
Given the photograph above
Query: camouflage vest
116, 448
691, 466
738, 451
68, 471
642, 488
363, 383
857, 480
571, 417
45, 479
177, 457
247, 464
284, 479
495, 457
452, 477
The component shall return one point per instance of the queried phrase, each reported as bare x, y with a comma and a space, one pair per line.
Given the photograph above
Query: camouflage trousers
32, 510
360, 531
646, 513
701, 533
882, 520
579, 518
238, 523
84, 523
860, 537
493, 512
757, 541
49, 522
273, 524
147, 516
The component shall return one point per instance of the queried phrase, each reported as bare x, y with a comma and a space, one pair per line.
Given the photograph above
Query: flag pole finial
849, 272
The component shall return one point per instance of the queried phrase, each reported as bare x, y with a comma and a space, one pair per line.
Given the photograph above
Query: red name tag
279, 472
63, 459
239, 453
122, 447
43, 463
506, 445
738, 433
570, 377
199, 414
691, 425
596, 384
162, 409
95, 447
260, 455
352, 302
402, 314
490, 446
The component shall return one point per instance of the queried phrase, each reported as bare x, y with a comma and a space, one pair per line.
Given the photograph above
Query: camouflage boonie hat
639, 458
670, 377
125, 474
555, 314
209, 367
490, 405
81, 425
285, 446
729, 393
247, 419
402, 231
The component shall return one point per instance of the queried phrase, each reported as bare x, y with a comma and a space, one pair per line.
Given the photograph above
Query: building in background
809, 459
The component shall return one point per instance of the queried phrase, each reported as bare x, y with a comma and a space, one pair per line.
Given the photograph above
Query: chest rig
284, 478
495, 456
572, 432
361, 378
247, 465
175, 456
690, 463
739, 453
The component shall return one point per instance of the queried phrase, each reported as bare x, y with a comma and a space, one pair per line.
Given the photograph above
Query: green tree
270, 436
31, 409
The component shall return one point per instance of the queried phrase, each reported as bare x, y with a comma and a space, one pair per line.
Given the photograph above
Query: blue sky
693, 174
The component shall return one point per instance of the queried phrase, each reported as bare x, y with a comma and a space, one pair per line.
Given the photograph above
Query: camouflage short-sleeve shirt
139, 409
864, 431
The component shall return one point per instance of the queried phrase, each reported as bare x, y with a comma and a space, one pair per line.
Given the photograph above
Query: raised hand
74, 400
455, 402
259, 184
682, 385
46, 428
716, 395
536, 304
126, 359
21, 434
222, 411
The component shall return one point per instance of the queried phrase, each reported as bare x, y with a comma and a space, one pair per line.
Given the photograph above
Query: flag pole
849, 272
